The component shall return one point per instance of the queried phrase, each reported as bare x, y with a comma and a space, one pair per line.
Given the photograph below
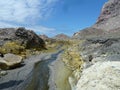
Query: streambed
42, 72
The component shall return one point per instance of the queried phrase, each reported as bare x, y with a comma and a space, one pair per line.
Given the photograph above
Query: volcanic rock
25, 37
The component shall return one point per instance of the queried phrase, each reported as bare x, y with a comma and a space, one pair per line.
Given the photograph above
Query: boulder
10, 61
26, 38
100, 76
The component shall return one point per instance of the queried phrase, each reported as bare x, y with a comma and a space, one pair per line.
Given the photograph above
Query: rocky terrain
24, 37
61, 37
88, 61
44, 37
110, 16
100, 51
108, 23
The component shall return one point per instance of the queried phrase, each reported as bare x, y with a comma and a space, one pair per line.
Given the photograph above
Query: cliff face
110, 16
108, 22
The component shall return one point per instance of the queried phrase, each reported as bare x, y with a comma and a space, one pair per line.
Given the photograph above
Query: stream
42, 72
50, 74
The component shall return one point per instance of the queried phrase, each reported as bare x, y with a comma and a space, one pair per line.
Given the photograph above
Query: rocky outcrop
88, 33
10, 61
100, 49
61, 37
101, 58
26, 38
100, 76
107, 25
110, 16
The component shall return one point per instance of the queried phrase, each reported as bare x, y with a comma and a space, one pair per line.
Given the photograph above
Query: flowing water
47, 77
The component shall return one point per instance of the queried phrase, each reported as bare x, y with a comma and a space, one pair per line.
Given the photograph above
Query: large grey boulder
10, 61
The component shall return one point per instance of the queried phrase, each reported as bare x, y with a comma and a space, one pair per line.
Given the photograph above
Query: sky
50, 17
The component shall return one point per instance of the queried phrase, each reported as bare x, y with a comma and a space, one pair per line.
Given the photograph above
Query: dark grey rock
25, 37
101, 49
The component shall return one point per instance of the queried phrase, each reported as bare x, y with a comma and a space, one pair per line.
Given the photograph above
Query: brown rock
26, 38
61, 37
110, 16
10, 61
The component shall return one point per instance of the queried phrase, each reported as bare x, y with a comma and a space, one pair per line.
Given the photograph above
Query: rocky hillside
44, 37
88, 32
110, 16
24, 37
100, 51
61, 37
108, 22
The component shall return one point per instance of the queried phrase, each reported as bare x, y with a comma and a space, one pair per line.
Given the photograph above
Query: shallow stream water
50, 74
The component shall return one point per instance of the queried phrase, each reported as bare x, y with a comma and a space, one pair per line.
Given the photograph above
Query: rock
101, 49
29, 38
10, 61
110, 16
88, 33
100, 76
26, 38
3, 73
107, 25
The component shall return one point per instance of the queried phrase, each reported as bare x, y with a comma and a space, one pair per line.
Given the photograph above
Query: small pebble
3, 73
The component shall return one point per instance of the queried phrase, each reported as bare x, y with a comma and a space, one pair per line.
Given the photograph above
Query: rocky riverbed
41, 72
